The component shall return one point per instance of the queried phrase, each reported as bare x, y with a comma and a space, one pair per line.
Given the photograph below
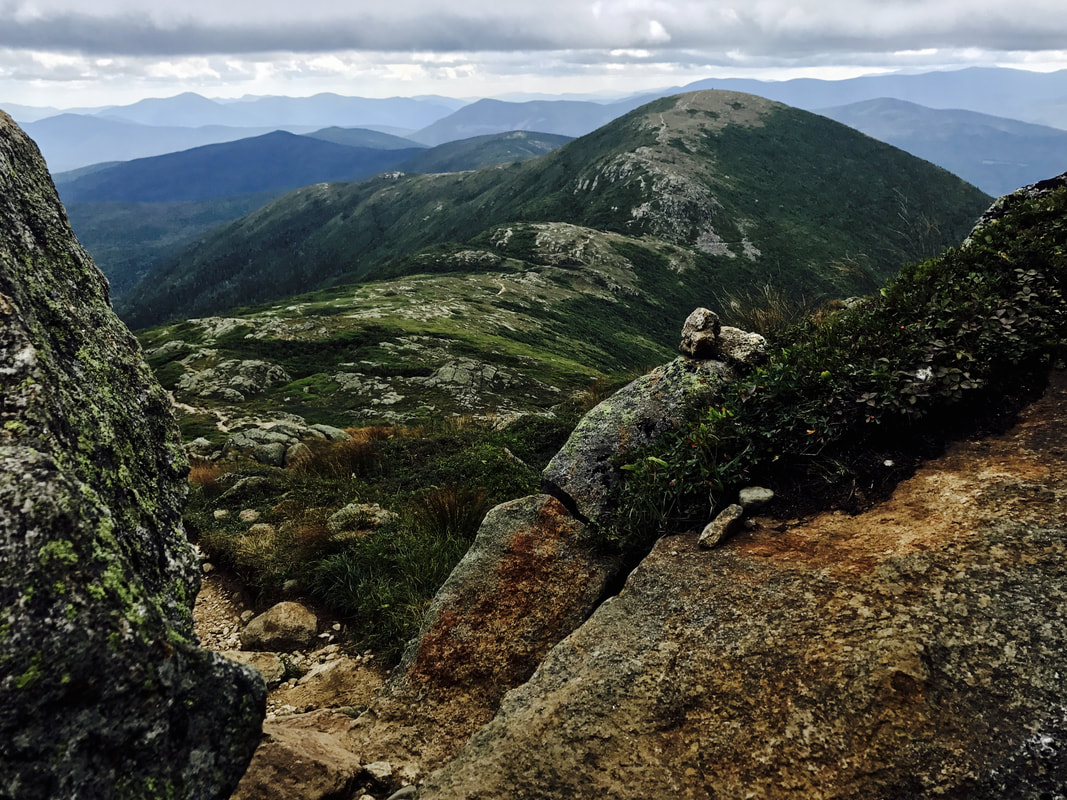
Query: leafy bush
948, 339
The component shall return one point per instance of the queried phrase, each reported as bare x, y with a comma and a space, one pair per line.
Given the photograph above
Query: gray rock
530, 577
269, 665
297, 454
359, 516
742, 348
753, 498
300, 761
700, 334
200, 447
725, 523
273, 455
171, 349
331, 433
233, 378
379, 771
703, 337
244, 488
282, 628
103, 689
870, 656
584, 472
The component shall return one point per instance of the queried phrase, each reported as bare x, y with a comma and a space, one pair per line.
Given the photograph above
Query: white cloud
484, 46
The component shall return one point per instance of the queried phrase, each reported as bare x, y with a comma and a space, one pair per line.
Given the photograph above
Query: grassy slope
569, 313
802, 189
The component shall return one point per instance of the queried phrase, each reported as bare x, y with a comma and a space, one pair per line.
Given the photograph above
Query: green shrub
948, 339
382, 582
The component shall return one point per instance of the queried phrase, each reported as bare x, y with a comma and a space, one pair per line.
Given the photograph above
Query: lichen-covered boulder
917, 650
103, 689
585, 472
530, 577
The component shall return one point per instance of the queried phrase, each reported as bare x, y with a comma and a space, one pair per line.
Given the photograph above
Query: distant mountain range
484, 151
320, 110
130, 214
995, 154
739, 189
71, 141
274, 162
1037, 97
162, 125
564, 117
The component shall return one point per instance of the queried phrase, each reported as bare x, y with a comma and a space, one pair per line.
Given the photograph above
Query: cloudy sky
69, 52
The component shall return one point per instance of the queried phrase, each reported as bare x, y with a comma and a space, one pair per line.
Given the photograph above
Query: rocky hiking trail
311, 746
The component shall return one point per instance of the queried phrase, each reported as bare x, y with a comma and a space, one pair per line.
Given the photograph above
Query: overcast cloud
52, 51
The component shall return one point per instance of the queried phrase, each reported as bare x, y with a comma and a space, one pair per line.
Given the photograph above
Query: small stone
741, 347
221, 513
379, 771
700, 334
399, 794
336, 626
207, 567
721, 527
249, 515
285, 626
246, 616
752, 498
269, 665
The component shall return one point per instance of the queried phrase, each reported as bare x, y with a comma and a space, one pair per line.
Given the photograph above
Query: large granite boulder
917, 650
103, 689
531, 577
585, 473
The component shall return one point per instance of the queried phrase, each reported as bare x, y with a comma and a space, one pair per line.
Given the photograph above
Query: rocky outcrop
103, 689
1005, 204
914, 651
586, 471
232, 380
531, 576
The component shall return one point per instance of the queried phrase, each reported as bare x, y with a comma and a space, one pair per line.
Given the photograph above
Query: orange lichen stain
492, 638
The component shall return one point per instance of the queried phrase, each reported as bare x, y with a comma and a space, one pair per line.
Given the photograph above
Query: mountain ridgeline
750, 190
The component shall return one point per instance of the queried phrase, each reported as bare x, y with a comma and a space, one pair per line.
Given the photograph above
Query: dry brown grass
355, 457
205, 473
451, 510
375, 433
767, 310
